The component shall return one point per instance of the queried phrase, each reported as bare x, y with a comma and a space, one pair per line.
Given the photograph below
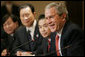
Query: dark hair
42, 16
27, 5
13, 17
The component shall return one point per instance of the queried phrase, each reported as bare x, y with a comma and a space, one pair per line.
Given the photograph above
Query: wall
75, 8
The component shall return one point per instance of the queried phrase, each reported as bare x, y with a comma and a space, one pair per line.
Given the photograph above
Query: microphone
55, 51
66, 47
35, 39
22, 45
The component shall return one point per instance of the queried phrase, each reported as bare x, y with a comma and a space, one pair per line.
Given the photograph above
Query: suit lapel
36, 32
53, 49
25, 38
45, 46
63, 41
24, 34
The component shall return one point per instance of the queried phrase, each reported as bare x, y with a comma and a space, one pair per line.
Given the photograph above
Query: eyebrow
45, 24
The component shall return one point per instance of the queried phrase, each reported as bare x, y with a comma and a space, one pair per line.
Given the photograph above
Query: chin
53, 30
9, 33
27, 25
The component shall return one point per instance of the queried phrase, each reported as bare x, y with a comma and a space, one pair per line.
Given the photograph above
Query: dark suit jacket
43, 49
21, 38
73, 37
7, 42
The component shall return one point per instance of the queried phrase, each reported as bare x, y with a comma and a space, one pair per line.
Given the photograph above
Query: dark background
76, 12
75, 9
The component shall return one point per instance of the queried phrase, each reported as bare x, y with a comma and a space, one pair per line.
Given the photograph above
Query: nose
43, 30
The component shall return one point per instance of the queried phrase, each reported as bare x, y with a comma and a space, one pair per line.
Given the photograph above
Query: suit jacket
7, 42
71, 36
21, 38
43, 49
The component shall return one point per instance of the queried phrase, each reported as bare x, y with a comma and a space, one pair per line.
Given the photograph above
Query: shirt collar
32, 27
11, 34
60, 32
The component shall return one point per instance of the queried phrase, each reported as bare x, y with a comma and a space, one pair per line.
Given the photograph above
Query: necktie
29, 35
49, 43
31, 45
57, 46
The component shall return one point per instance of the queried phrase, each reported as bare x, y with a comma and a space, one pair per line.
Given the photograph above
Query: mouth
44, 33
9, 30
26, 21
52, 25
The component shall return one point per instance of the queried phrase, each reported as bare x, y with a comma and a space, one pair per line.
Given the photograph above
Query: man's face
10, 26
53, 19
43, 28
26, 16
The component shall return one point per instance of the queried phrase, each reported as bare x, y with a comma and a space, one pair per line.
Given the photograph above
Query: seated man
27, 37
45, 32
10, 24
68, 39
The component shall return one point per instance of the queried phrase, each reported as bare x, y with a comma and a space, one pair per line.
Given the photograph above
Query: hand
19, 53
27, 54
4, 52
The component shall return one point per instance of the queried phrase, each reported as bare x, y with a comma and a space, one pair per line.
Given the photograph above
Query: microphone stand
20, 46
66, 47
55, 51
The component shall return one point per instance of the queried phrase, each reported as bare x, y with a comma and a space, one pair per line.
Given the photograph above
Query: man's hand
4, 52
19, 53
27, 54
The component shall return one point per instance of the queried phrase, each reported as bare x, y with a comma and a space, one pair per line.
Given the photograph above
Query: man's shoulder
21, 28
72, 26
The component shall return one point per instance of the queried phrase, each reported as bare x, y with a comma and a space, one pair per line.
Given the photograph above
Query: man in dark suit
68, 38
44, 49
10, 24
27, 33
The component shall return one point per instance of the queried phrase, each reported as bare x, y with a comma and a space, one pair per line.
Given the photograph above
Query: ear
63, 16
16, 24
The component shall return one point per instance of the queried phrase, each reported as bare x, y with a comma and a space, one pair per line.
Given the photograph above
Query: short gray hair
60, 7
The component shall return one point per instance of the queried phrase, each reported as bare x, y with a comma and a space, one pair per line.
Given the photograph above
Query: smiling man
27, 32
67, 34
43, 27
10, 25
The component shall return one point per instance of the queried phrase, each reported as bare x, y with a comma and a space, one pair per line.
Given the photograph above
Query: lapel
24, 34
45, 46
24, 37
63, 41
36, 32
10, 39
53, 49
